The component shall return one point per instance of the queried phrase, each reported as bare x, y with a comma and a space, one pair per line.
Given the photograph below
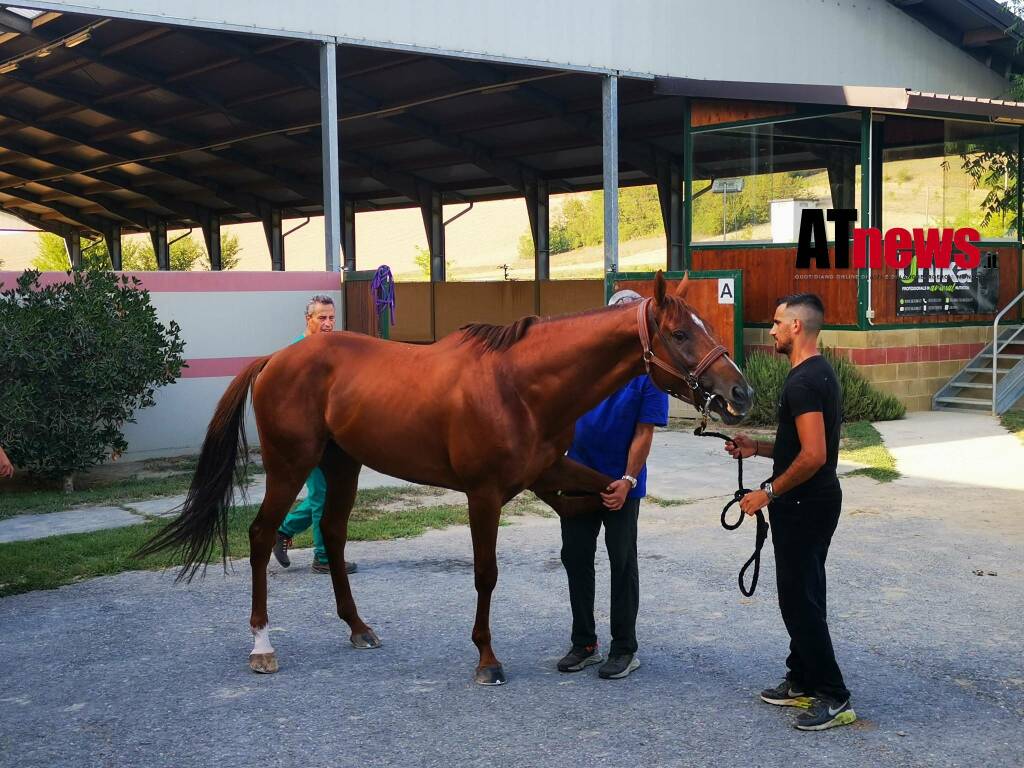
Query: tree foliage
581, 221
747, 208
137, 255
78, 358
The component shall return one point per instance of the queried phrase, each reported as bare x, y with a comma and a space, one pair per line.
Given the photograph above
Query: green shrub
77, 359
861, 401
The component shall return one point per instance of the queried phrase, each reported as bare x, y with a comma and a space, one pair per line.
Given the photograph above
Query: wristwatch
630, 478
766, 486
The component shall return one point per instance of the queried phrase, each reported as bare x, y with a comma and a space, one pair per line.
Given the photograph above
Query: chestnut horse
488, 410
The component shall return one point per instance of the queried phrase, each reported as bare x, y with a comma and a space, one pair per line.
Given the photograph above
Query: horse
487, 410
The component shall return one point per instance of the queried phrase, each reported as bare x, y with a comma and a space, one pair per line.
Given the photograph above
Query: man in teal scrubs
319, 319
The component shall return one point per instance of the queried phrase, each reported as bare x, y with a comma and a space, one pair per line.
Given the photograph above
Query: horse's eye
680, 335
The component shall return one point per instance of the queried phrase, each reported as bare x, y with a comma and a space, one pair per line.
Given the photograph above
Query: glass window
751, 183
949, 173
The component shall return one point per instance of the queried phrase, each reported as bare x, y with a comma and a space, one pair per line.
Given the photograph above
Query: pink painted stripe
210, 367
205, 282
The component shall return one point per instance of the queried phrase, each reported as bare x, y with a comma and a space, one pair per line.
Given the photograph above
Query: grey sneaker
281, 550
786, 694
322, 566
618, 667
825, 713
580, 658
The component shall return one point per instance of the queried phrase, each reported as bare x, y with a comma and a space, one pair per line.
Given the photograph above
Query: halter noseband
692, 380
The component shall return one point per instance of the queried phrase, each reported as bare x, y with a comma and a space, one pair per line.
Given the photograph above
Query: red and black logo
897, 248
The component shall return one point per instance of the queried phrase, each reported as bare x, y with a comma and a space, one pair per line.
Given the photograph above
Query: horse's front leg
571, 488
484, 511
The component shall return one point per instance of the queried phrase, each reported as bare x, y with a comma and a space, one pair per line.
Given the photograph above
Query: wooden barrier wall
360, 312
413, 310
426, 312
718, 111
769, 275
724, 320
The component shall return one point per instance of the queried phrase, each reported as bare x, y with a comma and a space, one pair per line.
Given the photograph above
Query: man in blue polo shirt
613, 438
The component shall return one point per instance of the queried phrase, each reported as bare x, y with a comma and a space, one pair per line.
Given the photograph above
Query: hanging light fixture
43, 53
9, 66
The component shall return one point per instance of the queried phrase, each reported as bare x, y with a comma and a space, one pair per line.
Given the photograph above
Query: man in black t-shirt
804, 500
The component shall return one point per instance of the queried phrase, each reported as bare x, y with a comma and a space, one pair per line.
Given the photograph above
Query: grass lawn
107, 485
862, 443
118, 492
1014, 422
379, 513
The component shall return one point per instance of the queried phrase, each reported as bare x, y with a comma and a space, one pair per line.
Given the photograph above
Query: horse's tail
204, 515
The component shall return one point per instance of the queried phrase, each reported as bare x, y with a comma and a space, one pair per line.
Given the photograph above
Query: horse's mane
498, 338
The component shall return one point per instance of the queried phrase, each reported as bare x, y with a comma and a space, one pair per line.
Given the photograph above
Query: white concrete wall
226, 319
840, 42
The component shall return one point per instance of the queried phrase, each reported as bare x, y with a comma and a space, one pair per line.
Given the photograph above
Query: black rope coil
762, 524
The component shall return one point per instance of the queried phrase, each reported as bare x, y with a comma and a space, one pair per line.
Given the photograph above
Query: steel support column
670, 195
211, 237
610, 162
162, 251
432, 208
113, 237
275, 237
73, 242
877, 156
348, 238
330, 158
538, 209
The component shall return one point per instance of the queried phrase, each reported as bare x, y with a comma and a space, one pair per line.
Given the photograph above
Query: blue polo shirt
604, 434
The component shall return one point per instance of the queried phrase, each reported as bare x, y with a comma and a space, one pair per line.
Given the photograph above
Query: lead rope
762, 524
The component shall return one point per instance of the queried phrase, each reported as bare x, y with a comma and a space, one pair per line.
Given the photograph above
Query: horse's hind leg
484, 511
342, 473
282, 487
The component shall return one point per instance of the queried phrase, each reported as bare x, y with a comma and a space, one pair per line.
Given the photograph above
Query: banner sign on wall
951, 290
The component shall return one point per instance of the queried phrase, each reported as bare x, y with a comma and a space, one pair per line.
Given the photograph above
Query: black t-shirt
811, 386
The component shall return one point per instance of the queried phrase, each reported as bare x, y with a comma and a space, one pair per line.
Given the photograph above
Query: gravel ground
133, 671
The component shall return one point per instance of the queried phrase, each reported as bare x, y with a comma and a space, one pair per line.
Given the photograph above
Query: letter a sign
726, 291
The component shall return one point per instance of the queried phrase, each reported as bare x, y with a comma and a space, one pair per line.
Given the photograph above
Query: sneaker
618, 667
825, 713
281, 550
580, 658
322, 566
785, 694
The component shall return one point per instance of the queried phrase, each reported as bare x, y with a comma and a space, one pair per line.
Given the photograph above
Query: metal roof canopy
113, 122
106, 121
984, 29
898, 99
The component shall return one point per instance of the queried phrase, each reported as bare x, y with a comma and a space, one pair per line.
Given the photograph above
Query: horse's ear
684, 284
659, 288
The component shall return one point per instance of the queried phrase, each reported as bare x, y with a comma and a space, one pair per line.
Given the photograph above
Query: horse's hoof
490, 676
264, 663
365, 641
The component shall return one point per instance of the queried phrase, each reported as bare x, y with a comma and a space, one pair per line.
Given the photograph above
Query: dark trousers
579, 545
801, 534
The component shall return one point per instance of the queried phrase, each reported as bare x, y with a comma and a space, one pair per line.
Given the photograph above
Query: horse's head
678, 335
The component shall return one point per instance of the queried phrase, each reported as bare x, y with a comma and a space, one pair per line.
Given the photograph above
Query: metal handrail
995, 348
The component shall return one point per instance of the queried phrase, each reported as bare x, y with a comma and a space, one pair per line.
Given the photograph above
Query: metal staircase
994, 379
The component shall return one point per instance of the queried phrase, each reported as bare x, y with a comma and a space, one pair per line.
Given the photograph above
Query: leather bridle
698, 394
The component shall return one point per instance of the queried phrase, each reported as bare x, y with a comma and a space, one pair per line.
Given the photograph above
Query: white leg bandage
262, 641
